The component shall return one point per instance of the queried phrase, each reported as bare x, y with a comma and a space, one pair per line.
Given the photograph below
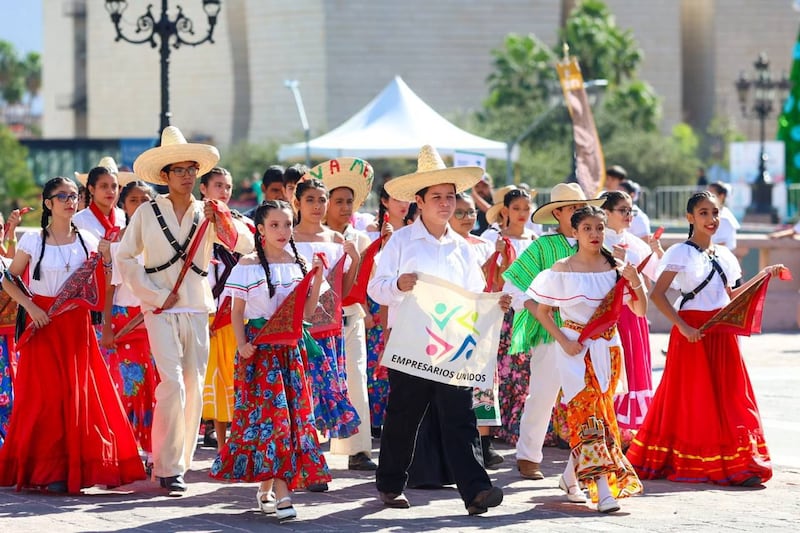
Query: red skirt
631, 407
67, 423
703, 425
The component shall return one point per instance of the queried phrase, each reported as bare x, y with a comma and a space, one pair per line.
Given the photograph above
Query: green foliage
18, 76
523, 72
652, 159
17, 187
245, 160
634, 104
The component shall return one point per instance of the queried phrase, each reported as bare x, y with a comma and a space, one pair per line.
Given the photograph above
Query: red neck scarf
109, 221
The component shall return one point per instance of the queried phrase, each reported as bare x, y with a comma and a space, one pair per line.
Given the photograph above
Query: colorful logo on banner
460, 339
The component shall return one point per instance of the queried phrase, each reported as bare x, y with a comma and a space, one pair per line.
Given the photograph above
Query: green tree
12, 82
17, 187
522, 72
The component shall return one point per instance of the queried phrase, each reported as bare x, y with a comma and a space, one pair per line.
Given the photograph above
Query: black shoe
490, 457
317, 487
361, 461
174, 484
486, 498
376, 432
210, 439
56, 487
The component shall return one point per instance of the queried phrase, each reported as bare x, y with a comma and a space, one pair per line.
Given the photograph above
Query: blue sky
21, 24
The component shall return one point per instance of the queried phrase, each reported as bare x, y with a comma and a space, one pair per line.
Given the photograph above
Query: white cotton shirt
692, 267
636, 250
52, 271
413, 249
640, 225
249, 283
123, 295
85, 219
491, 235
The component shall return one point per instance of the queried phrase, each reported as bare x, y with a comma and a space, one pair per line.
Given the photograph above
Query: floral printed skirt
133, 371
333, 413
6, 391
377, 381
272, 434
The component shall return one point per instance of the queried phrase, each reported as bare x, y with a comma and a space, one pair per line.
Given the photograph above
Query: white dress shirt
413, 249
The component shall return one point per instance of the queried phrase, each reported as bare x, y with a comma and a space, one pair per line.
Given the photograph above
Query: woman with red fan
130, 359
631, 407
589, 372
68, 430
703, 425
273, 440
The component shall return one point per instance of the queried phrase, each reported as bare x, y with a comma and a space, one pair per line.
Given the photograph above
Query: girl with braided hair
68, 430
273, 439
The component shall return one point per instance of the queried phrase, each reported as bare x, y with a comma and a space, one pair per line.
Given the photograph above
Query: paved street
774, 364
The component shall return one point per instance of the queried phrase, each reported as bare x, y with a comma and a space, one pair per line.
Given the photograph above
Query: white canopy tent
395, 124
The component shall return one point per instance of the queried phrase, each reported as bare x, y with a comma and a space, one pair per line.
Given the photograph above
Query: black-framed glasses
65, 197
465, 213
182, 171
624, 211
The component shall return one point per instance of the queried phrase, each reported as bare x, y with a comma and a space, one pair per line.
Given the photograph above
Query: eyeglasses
65, 197
625, 211
461, 213
182, 171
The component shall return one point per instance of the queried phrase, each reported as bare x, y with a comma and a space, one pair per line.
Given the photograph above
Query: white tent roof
396, 123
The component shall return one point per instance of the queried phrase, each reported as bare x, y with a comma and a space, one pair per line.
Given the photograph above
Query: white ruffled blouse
692, 267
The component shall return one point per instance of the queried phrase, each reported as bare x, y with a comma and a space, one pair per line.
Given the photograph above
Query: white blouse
333, 252
636, 250
692, 267
123, 295
491, 235
85, 219
576, 294
249, 283
53, 271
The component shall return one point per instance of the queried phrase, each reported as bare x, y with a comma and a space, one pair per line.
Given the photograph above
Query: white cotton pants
542, 393
179, 342
355, 354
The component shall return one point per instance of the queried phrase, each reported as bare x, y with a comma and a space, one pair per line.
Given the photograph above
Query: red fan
358, 294
327, 318
743, 314
511, 256
86, 288
607, 313
285, 325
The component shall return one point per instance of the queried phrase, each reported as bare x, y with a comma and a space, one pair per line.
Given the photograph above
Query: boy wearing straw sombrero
528, 335
162, 232
430, 246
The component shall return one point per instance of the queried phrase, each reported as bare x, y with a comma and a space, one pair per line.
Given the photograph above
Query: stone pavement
351, 505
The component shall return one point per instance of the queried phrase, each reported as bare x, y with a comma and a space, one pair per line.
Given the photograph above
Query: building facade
344, 52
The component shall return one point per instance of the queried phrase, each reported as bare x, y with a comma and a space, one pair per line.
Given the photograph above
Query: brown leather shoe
486, 498
529, 469
395, 501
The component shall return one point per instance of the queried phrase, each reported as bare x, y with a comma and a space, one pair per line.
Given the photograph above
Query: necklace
58, 248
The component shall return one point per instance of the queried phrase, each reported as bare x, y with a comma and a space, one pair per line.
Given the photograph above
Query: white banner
447, 334
469, 159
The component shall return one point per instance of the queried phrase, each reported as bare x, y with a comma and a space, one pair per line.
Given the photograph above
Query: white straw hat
351, 172
498, 201
174, 149
562, 195
431, 170
123, 178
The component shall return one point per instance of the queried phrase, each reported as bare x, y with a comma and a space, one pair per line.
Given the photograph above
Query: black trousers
409, 397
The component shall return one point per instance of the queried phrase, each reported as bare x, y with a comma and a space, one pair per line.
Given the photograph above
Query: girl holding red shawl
68, 430
703, 425
273, 440
589, 372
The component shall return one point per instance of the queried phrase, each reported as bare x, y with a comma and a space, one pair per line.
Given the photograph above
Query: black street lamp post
764, 92
166, 30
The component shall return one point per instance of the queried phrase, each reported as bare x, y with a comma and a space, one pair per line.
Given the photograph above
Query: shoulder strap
715, 267
180, 249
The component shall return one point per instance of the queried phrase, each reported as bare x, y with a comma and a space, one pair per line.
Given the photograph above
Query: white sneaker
574, 493
608, 505
266, 501
285, 513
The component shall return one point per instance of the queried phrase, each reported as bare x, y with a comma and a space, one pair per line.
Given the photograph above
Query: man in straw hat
429, 245
528, 334
162, 232
349, 181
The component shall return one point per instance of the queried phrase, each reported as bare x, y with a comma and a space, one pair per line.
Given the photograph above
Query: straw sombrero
431, 170
353, 173
498, 201
123, 178
174, 149
562, 195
